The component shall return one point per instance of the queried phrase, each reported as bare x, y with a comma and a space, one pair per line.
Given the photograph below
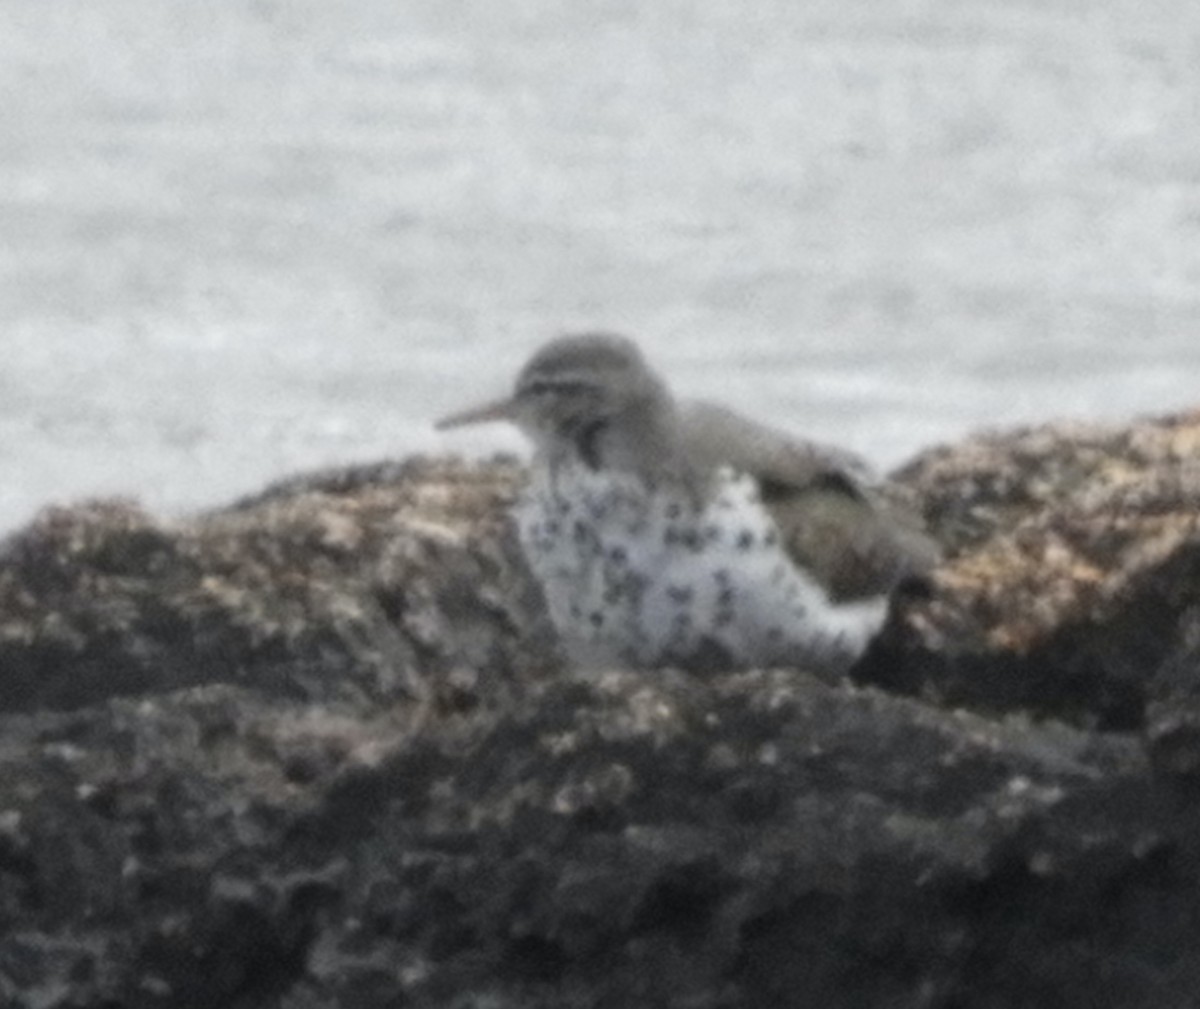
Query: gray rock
318, 750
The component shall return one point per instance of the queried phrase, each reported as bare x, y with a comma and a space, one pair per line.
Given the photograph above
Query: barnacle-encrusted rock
317, 750
1073, 579
360, 584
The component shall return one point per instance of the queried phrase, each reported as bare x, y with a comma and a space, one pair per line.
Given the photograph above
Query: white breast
649, 579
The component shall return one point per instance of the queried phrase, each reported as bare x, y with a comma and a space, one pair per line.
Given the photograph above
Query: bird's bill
504, 409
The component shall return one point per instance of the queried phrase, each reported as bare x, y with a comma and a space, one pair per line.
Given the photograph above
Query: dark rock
326, 589
1072, 587
316, 750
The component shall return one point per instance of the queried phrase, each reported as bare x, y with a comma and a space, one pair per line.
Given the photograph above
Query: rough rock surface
1073, 585
318, 750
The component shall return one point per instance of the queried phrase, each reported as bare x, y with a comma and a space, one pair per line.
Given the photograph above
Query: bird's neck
643, 440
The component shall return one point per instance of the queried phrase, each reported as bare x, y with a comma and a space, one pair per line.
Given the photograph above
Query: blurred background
244, 238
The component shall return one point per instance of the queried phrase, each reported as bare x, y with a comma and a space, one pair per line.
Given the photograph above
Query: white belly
645, 580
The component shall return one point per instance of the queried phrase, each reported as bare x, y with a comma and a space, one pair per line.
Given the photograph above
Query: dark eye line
562, 386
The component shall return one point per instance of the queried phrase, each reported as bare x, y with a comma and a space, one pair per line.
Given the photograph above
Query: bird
669, 532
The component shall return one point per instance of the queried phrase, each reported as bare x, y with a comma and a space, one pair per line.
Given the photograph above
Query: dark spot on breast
681, 594
745, 539
690, 538
587, 443
771, 538
674, 510
596, 618
618, 555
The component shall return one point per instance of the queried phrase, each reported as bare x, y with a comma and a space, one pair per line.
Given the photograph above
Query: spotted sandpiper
669, 532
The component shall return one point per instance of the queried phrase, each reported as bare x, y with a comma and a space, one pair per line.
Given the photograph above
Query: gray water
241, 238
